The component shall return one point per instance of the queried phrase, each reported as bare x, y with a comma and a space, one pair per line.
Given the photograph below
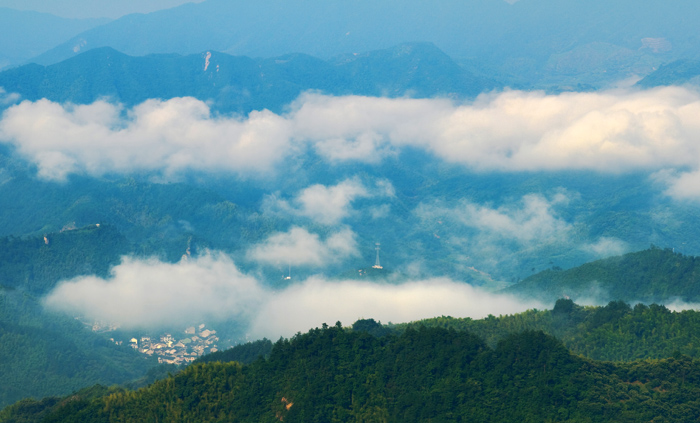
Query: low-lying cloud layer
612, 131
149, 293
154, 293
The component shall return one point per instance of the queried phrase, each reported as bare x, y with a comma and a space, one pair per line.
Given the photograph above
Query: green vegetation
45, 354
36, 264
333, 374
653, 275
615, 332
244, 353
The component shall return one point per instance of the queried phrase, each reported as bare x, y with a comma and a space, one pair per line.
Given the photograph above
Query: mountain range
242, 84
527, 37
25, 34
512, 186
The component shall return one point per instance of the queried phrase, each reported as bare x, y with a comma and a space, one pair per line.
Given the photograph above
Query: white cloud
167, 136
611, 131
679, 306
150, 293
684, 184
8, 98
608, 131
317, 301
298, 247
606, 247
328, 205
534, 220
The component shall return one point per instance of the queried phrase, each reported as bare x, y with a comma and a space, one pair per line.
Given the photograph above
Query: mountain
241, 84
555, 43
614, 332
426, 374
36, 264
47, 354
679, 72
24, 34
218, 212
653, 275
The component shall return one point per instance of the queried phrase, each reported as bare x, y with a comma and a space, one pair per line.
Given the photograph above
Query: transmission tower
376, 262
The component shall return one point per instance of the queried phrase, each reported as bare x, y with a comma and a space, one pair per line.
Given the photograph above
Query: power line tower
289, 275
376, 262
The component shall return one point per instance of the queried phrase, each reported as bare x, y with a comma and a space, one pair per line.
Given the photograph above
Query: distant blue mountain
680, 72
24, 35
242, 84
548, 40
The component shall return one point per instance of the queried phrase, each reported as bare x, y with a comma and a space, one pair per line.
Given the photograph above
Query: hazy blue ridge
556, 43
679, 72
242, 84
25, 34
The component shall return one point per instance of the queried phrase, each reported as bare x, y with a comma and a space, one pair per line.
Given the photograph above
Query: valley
390, 211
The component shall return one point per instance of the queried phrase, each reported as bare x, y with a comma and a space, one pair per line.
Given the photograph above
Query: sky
93, 8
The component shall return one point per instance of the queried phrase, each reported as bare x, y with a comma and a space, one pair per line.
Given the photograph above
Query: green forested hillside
653, 275
36, 264
244, 353
332, 374
616, 331
45, 354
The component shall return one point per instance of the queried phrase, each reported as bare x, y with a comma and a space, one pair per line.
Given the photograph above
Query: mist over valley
472, 187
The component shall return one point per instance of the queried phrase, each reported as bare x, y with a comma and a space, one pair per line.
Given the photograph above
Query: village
194, 342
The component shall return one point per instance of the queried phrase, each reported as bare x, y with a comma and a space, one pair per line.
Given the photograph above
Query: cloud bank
153, 293
150, 293
535, 221
611, 131
166, 136
328, 205
301, 248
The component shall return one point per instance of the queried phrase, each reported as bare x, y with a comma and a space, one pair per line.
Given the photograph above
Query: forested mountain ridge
615, 332
332, 374
241, 84
653, 275
37, 264
45, 353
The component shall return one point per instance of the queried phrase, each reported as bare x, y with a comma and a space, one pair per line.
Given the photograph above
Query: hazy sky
93, 8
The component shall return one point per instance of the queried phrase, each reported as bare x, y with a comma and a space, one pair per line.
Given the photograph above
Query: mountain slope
679, 72
625, 38
46, 353
24, 34
242, 84
649, 276
615, 332
428, 374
